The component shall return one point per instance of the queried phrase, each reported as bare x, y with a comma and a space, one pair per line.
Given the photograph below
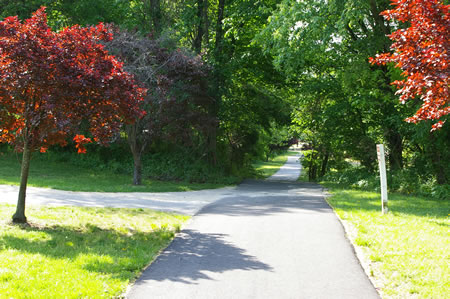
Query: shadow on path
192, 254
262, 198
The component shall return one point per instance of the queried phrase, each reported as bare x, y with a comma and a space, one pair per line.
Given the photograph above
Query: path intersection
276, 238
266, 239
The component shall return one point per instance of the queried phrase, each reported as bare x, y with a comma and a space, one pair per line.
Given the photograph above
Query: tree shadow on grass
120, 255
123, 255
192, 255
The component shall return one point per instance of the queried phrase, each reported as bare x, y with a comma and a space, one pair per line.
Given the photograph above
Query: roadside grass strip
69, 252
408, 249
265, 169
65, 176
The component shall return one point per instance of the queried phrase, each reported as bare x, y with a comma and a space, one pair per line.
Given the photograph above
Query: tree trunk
200, 27
212, 145
439, 169
219, 80
219, 26
379, 21
137, 173
206, 20
155, 12
395, 143
136, 150
312, 171
19, 215
323, 169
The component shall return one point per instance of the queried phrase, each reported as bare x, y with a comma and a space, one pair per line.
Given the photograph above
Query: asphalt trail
266, 239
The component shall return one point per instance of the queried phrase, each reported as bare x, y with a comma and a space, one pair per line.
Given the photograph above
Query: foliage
261, 66
77, 252
407, 248
51, 82
421, 51
177, 108
344, 105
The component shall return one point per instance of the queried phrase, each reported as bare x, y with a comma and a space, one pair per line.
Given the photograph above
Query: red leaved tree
51, 82
422, 52
178, 106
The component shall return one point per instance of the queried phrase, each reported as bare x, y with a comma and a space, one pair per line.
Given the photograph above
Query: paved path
187, 203
266, 239
290, 171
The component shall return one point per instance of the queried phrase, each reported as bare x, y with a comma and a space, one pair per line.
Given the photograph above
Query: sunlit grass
266, 169
70, 252
409, 248
65, 176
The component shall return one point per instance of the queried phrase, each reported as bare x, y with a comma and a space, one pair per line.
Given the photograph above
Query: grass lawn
65, 176
70, 252
266, 169
408, 249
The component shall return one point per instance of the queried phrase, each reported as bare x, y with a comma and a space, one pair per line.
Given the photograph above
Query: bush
404, 181
441, 192
183, 165
169, 164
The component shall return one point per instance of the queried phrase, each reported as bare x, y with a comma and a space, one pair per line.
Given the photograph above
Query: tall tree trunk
219, 26
219, 80
206, 20
379, 21
312, 171
155, 12
136, 150
395, 144
323, 168
439, 169
137, 172
200, 27
19, 215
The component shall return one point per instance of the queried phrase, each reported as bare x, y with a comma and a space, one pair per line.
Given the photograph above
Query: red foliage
422, 52
80, 141
51, 82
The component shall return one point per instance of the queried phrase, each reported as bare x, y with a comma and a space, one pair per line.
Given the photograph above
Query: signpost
382, 165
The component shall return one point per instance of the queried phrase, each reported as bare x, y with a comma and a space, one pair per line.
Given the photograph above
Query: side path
188, 203
271, 239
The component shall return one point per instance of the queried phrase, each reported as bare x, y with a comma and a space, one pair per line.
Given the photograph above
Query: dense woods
229, 81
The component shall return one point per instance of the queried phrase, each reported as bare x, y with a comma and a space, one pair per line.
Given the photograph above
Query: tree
422, 52
53, 82
178, 105
322, 47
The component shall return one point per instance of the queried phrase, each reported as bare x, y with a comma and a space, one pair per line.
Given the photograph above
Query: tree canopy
230, 80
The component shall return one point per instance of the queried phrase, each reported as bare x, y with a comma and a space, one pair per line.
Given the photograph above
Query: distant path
290, 171
264, 239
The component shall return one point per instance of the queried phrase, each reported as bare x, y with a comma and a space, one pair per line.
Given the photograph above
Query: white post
382, 165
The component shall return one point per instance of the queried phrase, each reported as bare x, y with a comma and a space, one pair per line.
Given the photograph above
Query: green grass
266, 169
48, 173
408, 248
70, 252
